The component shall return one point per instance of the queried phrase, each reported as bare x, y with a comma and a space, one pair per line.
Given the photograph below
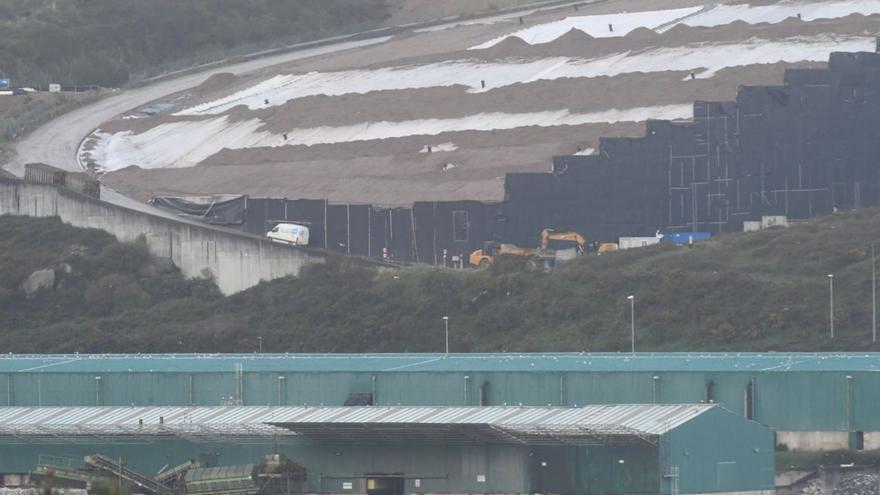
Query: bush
115, 292
125, 257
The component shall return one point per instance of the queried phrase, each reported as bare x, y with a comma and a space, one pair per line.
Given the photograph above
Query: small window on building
859, 440
359, 400
461, 226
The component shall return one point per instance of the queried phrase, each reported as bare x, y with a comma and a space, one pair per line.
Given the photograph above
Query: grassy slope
760, 291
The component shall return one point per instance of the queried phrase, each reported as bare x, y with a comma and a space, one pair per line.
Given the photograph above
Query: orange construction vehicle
607, 247
486, 256
544, 254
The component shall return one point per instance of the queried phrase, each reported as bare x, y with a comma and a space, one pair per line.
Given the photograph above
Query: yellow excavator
486, 256
548, 235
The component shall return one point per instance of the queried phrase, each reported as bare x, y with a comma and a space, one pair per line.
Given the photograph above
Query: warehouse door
385, 484
726, 476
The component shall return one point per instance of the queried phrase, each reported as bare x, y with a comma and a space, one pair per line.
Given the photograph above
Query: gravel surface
813, 487
858, 484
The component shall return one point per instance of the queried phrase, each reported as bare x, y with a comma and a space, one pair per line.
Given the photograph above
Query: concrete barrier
236, 260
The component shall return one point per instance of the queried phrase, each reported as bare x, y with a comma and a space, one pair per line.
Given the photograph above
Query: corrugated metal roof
485, 424
599, 362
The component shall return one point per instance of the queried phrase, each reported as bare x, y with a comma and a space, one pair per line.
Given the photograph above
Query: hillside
757, 291
107, 42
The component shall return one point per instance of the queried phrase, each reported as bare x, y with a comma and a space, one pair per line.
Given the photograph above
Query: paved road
57, 141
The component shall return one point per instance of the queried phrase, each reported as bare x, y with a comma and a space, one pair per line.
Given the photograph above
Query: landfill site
485, 99
541, 133
610, 120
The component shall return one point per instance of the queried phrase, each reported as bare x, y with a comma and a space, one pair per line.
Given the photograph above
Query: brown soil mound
642, 34
510, 47
215, 83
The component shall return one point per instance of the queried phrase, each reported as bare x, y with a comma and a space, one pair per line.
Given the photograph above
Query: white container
290, 233
751, 226
637, 242
774, 221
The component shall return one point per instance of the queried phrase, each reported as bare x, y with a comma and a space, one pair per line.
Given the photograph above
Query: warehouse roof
195, 363
525, 425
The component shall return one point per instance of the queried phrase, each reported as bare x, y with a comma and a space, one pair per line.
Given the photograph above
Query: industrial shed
814, 401
595, 449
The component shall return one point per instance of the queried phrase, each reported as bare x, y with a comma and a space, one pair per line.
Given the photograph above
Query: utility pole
873, 292
446, 324
632, 323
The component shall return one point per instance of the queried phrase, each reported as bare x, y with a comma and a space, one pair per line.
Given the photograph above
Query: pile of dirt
217, 83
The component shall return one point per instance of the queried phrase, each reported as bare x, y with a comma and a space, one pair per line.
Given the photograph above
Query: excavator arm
548, 235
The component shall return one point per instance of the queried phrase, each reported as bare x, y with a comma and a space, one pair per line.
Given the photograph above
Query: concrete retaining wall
813, 440
872, 440
236, 261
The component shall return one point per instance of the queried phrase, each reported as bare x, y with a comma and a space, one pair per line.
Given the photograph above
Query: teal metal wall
787, 400
440, 469
617, 469
718, 452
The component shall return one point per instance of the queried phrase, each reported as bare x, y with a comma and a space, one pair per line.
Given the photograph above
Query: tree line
110, 42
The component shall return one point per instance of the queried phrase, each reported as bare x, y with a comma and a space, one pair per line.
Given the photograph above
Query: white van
290, 233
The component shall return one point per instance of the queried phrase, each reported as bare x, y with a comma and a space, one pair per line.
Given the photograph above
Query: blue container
681, 238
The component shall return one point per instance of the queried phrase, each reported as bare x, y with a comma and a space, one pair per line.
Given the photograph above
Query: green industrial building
392, 450
459, 423
813, 401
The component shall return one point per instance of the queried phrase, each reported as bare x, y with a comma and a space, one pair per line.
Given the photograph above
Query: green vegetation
106, 42
760, 291
21, 114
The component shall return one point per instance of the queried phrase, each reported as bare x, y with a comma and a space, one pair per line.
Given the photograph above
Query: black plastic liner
219, 210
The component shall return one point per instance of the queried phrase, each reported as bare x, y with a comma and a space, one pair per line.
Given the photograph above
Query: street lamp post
831, 303
446, 324
260, 344
873, 296
632, 323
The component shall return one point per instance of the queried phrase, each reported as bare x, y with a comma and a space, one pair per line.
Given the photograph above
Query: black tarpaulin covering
215, 210
799, 150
